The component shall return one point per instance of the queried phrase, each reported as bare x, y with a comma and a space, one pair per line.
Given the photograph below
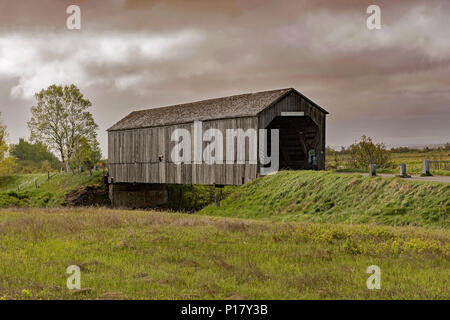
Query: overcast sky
392, 84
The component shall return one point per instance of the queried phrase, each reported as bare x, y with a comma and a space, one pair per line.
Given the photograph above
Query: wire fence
36, 182
42, 178
439, 165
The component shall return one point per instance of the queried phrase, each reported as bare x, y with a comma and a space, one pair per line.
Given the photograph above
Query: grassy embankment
289, 196
338, 198
36, 190
136, 254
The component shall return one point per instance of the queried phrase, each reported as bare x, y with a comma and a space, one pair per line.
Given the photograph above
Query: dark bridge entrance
299, 142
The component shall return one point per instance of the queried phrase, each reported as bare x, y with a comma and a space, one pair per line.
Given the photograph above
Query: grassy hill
288, 196
37, 190
338, 198
155, 255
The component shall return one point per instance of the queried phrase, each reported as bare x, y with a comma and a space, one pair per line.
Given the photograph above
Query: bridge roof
243, 105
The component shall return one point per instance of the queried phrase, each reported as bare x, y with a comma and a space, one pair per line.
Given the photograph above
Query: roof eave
289, 92
310, 101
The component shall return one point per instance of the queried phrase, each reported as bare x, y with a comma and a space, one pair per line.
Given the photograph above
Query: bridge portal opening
299, 144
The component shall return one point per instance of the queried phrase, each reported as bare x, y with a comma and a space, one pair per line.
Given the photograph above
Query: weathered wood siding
134, 156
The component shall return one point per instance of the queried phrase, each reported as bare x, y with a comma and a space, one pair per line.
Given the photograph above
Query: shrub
366, 152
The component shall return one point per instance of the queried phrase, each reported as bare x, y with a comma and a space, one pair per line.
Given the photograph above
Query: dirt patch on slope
88, 196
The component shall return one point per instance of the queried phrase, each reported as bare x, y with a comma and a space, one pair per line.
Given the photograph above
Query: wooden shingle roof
243, 105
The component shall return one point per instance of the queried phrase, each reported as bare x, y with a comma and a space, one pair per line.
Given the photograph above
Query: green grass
413, 162
20, 190
149, 255
20, 182
338, 198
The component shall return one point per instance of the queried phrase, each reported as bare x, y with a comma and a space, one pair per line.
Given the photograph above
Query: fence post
426, 168
403, 173
403, 169
373, 170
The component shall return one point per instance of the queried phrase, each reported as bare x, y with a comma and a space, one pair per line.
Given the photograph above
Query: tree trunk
68, 165
63, 160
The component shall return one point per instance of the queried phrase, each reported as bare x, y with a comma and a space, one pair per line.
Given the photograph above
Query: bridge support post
217, 200
218, 194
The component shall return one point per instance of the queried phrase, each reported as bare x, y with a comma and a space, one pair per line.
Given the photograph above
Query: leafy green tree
8, 164
33, 155
45, 166
60, 119
447, 146
87, 154
3, 143
366, 152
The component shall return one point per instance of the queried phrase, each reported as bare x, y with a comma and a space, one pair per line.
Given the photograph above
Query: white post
426, 168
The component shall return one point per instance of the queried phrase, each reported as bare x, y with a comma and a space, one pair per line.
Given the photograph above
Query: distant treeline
445, 147
34, 157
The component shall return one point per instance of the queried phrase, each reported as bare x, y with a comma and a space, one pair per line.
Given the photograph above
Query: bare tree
60, 119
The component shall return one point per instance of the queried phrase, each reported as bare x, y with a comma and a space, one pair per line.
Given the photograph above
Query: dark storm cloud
390, 83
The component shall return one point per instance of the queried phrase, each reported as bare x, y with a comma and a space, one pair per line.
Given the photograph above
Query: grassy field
280, 253
338, 198
413, 162
36, 190
150, 255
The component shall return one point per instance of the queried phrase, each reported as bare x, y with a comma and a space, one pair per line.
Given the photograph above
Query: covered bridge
140, 145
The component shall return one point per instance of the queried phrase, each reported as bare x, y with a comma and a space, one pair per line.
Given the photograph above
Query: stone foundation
139, 195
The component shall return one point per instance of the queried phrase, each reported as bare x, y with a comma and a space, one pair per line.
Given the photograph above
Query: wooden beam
292, 114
